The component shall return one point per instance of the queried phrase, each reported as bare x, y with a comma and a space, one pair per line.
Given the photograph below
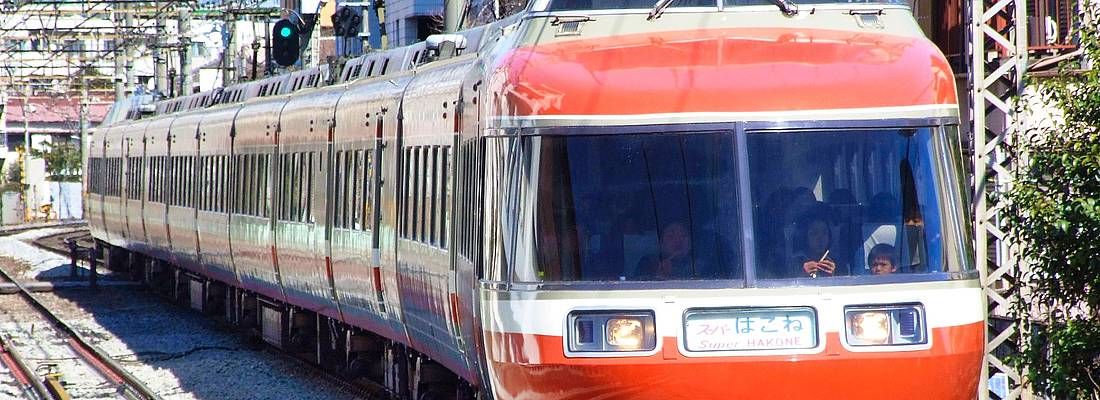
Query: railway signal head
346, 22
284, 46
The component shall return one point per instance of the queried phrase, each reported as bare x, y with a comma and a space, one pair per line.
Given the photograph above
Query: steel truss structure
997, 46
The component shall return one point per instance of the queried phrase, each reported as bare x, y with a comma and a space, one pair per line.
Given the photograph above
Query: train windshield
832, 205
576, 5
635, 208
855, 202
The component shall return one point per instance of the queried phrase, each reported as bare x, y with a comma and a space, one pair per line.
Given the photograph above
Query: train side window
162, 179
200, 203
303, 186
257, 184
290, 179
265, 185
349, 187
189, 179
227, 166
212, 183
370, 67
238, 195
283, 174
206, 184
422, 174
293, 178
218, 183
433, 191
147, 180
169, 180
406, 173
314, 159
414, 201
253, 182
353, 213
245, 182
356, 195
445, 198
366, 177
339, 178
385, 66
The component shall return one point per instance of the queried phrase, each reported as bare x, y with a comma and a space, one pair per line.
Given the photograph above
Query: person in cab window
675, 258
882, 259
814, 257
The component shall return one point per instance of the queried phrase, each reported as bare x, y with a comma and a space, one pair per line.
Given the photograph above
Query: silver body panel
212, 220
252, 238
184, 147
301, 243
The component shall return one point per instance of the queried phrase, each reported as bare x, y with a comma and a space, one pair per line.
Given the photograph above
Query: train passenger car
699, 199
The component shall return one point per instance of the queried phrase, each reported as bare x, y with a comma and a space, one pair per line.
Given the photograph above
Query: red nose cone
731, 70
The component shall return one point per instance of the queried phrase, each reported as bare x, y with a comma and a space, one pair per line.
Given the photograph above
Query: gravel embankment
178, 353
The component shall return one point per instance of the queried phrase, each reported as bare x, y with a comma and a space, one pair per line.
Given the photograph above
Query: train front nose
727, 347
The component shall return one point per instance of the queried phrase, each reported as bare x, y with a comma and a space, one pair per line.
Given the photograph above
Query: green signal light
285, 32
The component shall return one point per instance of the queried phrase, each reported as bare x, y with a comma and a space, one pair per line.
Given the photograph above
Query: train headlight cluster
611, 331
885, 325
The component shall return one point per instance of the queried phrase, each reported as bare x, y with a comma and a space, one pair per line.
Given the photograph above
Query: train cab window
370, 68
385, 66
856, 202
637, 207
569, 5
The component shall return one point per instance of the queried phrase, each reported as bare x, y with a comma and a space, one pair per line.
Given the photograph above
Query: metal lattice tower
997, 40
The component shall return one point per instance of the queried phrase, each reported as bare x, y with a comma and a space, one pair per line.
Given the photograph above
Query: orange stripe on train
526, 365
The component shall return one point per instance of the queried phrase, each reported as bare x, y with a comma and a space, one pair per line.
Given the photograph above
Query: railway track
113, 380
58, 243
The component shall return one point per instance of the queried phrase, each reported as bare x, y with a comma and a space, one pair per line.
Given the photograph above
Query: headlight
611, 331
625, 333
901, 324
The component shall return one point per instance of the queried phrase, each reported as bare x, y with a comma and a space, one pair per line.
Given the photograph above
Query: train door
466, 231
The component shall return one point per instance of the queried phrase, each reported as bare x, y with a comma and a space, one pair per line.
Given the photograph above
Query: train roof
371, 65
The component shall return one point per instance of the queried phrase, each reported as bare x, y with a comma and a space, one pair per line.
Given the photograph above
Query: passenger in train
674, 260
882, 260
847, 218
813, 256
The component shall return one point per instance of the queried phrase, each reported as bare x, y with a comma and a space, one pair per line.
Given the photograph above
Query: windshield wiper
659, 8
787, 6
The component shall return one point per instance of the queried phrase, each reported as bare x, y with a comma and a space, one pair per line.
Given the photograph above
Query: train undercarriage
356, 355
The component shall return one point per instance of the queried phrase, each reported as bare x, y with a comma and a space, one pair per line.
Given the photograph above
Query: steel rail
131, 387
24, 374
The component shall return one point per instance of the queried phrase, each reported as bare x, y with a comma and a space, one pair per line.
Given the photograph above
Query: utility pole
28, 200
452, 12
185, 50
128, 17
120, 91
228, 54
83, 112
160, 73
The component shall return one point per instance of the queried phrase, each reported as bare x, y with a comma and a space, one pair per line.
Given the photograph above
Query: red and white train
580, 199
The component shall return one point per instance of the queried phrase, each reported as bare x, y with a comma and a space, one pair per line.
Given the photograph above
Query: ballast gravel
178, 353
